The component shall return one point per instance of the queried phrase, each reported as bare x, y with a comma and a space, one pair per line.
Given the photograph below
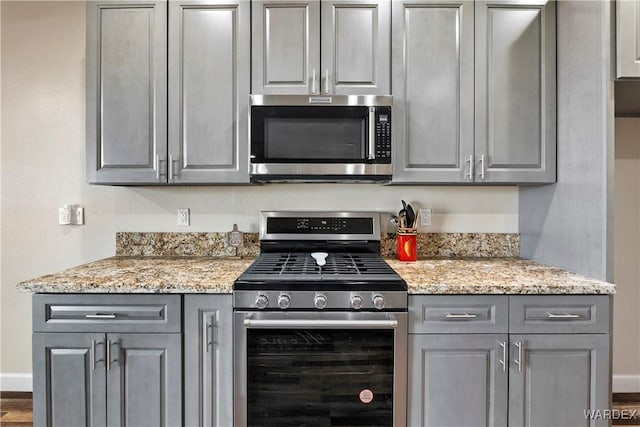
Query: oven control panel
322, 300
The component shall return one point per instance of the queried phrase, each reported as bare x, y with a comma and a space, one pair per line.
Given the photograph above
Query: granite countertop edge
207, 275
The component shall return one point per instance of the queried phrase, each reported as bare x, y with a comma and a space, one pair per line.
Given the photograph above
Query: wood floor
15, 409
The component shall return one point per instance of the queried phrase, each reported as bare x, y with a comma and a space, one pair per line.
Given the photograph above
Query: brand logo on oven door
366, 396
298, 340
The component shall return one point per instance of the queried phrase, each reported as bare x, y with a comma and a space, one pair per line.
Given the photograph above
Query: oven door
320, 369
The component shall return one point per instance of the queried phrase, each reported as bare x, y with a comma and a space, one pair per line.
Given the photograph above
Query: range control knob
262, 301
320, 301
356, 302
283, 301
378, 302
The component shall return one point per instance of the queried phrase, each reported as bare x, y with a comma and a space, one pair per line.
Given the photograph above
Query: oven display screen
319, 377
310, 225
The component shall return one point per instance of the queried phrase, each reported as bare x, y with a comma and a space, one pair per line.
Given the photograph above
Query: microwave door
317, 134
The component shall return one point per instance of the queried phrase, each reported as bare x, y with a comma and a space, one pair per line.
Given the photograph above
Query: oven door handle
390, 323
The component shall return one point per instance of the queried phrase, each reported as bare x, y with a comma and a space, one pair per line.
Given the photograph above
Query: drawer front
443, 314
107, 313
561, 314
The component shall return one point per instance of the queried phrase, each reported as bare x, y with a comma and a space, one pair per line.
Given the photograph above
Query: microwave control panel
383, 135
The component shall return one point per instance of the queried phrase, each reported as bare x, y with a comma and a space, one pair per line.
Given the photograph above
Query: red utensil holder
407, 245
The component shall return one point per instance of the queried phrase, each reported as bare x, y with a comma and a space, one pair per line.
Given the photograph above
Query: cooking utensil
411, 217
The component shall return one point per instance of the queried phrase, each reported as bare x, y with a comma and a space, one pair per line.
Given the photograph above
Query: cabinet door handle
93, 355
469, 174
503, 362
159, 161
482, 167
172, 169
519, 361
101, 316
326, 82
108, 355
208, 337
562, 316
460, 316
314, 86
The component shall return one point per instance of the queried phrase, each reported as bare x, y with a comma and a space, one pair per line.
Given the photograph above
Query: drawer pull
100, 316
460, 316
562, 316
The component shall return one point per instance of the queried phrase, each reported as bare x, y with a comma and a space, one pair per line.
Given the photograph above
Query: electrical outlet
183, 216
425, 217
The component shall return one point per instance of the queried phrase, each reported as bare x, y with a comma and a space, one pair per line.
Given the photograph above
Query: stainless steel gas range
320, 324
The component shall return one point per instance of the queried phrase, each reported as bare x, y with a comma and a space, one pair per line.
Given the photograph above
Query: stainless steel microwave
320, 138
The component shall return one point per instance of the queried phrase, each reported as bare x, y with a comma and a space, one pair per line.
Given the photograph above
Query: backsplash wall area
43, 168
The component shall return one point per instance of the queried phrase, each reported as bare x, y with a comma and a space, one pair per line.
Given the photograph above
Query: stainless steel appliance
320, 326
320, 138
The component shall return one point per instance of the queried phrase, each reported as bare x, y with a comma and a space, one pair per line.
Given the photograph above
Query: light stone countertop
216, 275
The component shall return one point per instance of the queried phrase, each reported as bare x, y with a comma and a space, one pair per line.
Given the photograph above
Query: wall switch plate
183, 216
425, 217
64, 215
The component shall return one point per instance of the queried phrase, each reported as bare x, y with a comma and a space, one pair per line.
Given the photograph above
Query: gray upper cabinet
356, 39
474, 91
208, 354
628, 38
285, 47
329, 47
205, 46
126, 91
433, 90
209, 63
515, 135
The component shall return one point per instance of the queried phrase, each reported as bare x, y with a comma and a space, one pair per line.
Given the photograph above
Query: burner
302, 263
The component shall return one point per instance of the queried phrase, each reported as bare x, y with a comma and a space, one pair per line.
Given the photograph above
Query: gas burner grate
303, 264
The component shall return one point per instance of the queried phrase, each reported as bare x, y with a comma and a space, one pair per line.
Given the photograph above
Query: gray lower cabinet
474, 90
208, 354
84, 374
339, 47
552, 375
628, 39
186, 60
457, 380
558, 378
69, 380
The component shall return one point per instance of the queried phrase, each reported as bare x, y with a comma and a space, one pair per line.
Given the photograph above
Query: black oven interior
320, 377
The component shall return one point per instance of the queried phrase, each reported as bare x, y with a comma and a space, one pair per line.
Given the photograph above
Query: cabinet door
69, 380
457, 380
208, 357
432, 90
555, 379
209, 69
126, 91
356, 52
515, 100
628, 38
144, 380
285, 43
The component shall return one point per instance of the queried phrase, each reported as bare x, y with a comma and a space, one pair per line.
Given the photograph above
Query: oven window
319, 377
308, 134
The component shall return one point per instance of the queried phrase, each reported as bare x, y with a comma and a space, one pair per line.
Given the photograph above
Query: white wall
626, 265
43, 166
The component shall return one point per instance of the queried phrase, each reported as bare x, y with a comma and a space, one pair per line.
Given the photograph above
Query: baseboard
626, 384
16, 382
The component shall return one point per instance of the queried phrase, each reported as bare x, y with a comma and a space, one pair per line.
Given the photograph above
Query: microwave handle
372, 133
